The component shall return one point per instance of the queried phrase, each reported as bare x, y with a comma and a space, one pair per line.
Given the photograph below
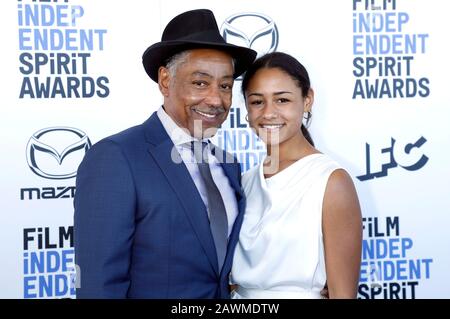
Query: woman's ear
309, 101
164, 80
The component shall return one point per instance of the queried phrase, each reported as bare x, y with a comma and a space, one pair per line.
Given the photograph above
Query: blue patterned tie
217, 213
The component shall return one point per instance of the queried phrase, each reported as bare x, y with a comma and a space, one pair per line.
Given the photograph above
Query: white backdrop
394, 143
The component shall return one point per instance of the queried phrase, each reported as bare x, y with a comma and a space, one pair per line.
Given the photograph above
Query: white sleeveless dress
280, 251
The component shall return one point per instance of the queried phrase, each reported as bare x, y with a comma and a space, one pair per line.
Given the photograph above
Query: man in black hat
158, 208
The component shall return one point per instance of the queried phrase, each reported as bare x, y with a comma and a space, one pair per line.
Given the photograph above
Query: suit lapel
160, 148
228, 164
229, 167
234, 237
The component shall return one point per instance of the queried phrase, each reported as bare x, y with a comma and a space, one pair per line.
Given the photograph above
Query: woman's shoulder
340, 192
320, 164
339, 179
325, 159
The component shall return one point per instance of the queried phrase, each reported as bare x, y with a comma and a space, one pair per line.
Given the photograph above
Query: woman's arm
342, 233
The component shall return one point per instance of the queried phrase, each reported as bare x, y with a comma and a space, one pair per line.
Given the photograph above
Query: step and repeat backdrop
71, 74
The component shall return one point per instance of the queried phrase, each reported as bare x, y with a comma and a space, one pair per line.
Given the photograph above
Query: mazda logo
253, 30
56, 152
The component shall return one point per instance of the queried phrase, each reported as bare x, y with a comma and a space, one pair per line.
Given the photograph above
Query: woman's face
275, 105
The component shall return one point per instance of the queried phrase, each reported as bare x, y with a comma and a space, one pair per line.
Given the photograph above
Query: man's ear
309, 100
163, 80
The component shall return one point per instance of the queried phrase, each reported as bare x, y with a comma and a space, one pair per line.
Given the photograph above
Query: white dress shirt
181, 139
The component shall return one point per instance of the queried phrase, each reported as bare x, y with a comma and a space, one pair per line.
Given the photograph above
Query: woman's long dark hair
287, 64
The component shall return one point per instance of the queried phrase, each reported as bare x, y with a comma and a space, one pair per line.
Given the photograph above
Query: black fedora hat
194, 29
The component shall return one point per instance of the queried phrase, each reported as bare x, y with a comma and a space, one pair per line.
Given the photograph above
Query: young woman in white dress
302, 228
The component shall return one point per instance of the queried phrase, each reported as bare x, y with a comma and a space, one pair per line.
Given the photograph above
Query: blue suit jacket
140, 227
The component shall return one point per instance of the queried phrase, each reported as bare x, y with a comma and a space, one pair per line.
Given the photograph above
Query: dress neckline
270, 183
300, 160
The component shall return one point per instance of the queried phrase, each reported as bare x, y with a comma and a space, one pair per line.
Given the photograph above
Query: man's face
198, 95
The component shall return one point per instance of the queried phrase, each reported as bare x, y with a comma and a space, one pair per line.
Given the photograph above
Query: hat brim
157, 55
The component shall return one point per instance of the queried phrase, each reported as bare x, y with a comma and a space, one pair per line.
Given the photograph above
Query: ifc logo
56, 152
252, 30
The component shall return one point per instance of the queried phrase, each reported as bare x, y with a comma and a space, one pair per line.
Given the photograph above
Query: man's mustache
214, 110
